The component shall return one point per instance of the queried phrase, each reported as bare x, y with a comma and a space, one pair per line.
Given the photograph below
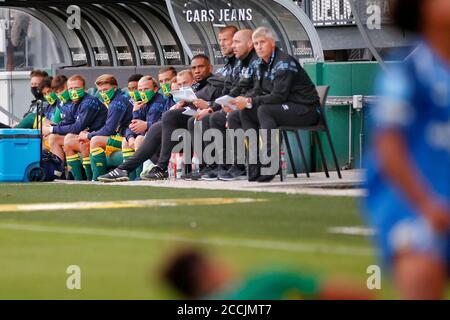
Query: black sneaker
156, 174
235, 173
117, 175
187, 176
264, 179
210, 175
196, 176
254, 172
214, 173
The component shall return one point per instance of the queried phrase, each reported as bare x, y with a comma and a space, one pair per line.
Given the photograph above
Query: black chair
322, 126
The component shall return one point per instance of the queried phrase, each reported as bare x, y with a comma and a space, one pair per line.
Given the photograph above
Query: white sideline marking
124, 204
244, 243
353, 231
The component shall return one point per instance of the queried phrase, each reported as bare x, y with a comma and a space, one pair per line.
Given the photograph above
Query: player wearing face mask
36, 78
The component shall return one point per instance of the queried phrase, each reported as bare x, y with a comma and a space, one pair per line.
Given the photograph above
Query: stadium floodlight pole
365, 36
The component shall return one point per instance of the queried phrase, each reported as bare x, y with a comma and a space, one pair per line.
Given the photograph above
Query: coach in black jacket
283, 95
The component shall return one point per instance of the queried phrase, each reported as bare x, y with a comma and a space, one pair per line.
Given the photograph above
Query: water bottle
284, 165
172, 167
179, 165
195, 166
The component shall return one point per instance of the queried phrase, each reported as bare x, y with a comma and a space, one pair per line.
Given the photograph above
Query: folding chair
321, 126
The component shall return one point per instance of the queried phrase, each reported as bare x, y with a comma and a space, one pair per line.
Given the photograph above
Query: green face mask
64, 97
77, 94
51, 98
135, 95
147, 96
107, 96
166, 89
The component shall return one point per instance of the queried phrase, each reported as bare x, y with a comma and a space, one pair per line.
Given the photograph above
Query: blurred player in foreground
409, 164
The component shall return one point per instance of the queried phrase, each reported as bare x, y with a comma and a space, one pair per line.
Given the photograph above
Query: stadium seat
322, 126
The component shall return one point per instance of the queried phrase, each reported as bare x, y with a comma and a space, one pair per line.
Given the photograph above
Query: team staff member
283, 95
104, 142
175, 119
90, 115
228, 75
227, 118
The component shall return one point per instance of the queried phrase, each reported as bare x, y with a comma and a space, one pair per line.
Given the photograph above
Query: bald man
227, 118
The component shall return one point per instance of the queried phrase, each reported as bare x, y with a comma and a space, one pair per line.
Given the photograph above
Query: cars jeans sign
222, 15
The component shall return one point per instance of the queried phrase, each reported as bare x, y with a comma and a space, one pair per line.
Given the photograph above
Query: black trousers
272, 116
150, 149
193, 125
219, 120
171, 120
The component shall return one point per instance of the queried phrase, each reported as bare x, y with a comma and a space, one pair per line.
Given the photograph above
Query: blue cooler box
19, 154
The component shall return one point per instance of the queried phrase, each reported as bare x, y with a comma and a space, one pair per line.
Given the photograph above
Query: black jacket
246, 70
283, 80
210, 90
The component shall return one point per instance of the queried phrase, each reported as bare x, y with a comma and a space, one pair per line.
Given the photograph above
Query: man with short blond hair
108, 139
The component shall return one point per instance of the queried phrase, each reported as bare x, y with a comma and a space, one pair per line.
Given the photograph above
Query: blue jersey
120, 112
151, 113
68, 112
415, 101
90, 114
50, 109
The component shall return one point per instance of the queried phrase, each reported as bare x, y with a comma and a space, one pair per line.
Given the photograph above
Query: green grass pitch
119, 251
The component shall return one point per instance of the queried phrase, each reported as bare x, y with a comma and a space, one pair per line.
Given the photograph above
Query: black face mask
36, 93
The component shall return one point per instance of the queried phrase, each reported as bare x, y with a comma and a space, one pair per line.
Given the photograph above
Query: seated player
90, 114
36, 77
151, 146
146, 111
52, 113
165, 78
107, 140
132, 87
67, 114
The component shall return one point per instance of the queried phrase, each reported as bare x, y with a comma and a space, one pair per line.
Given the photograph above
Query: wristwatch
249, 104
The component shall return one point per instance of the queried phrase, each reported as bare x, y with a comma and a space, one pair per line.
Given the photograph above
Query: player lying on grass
196, 275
